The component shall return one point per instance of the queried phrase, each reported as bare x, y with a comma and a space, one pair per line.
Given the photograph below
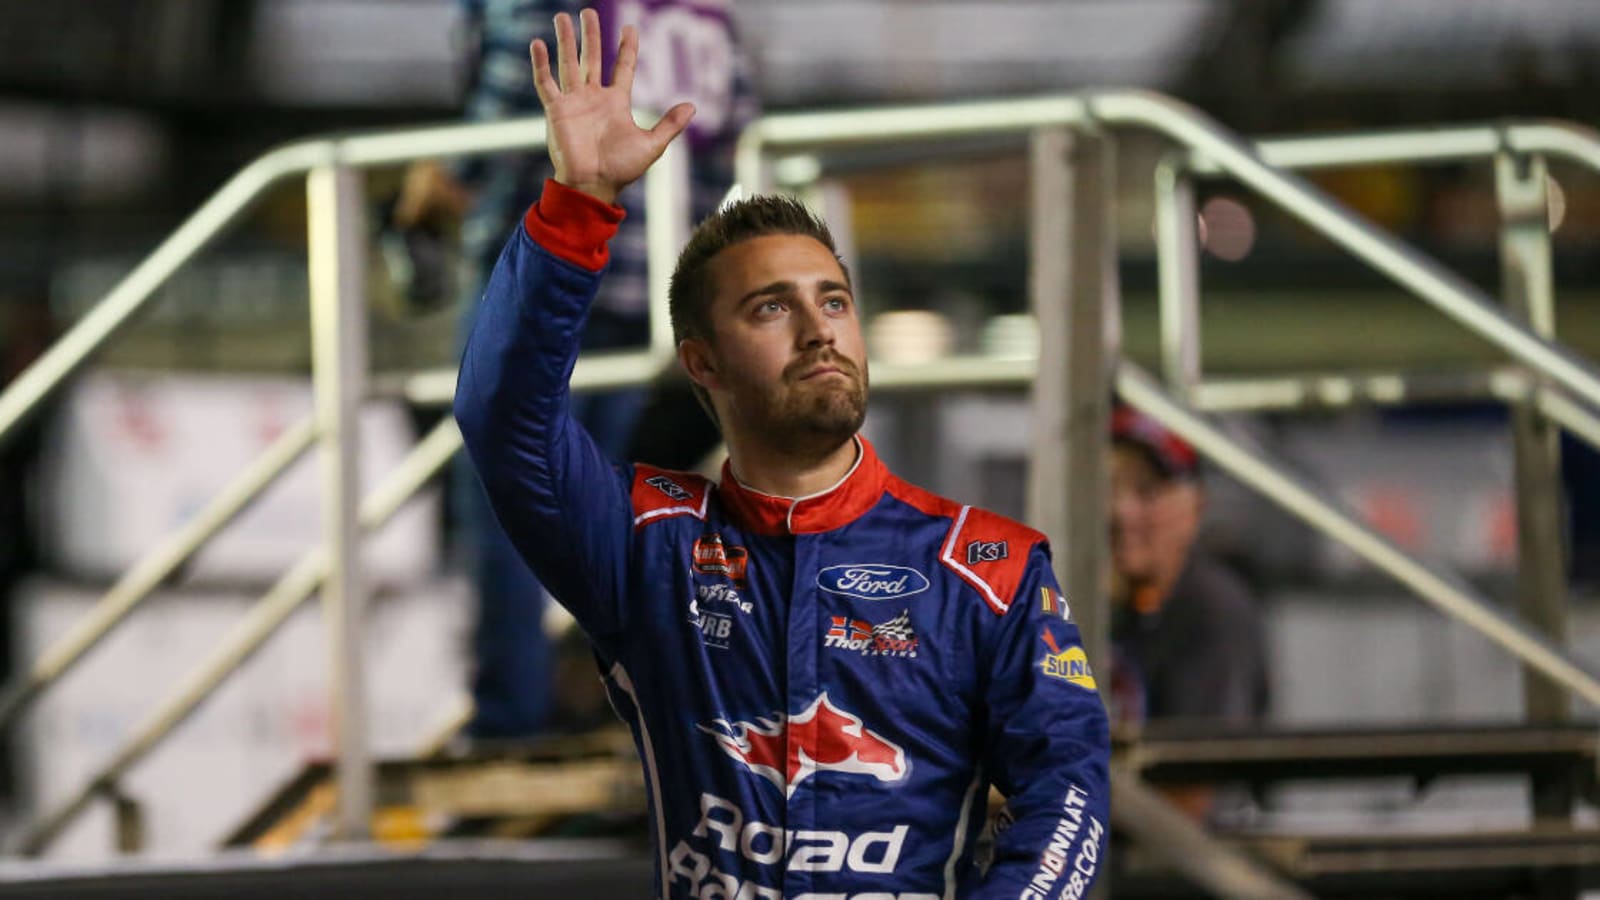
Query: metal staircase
1075, 299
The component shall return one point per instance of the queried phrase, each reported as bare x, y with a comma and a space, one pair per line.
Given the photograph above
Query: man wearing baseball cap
1186, 631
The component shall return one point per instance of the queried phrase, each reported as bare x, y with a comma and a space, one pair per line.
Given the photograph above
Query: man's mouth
820, 371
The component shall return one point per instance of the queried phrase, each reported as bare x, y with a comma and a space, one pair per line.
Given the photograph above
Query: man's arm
1048, 748
559, 499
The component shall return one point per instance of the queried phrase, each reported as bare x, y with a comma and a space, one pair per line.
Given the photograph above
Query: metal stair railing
1523, 191
1519, 150
1075, 399
336, 250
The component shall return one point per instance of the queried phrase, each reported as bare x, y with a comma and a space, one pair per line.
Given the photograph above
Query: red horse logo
787, 750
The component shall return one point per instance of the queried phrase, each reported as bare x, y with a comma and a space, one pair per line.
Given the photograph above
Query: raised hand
594, 143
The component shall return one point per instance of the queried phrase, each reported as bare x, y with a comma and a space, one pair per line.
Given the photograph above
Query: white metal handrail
336, 302
1192, 130
1565, 140
224, 208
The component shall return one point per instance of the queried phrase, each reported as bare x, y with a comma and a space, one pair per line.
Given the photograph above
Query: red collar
857, 492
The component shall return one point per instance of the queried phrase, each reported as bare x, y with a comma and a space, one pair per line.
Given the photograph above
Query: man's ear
695, 355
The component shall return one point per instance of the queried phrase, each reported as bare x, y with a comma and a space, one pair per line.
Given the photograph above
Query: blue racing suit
821, 689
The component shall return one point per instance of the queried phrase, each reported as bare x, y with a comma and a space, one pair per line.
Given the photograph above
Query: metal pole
666, 196
1178, 271
337, 250
1050, 233
1072, 283
1070, 238
156, 567
1526, 280
1528, 284
1437, 586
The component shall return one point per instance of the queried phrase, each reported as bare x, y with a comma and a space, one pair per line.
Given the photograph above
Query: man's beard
811, 418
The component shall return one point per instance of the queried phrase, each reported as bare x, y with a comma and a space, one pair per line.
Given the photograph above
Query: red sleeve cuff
573, 225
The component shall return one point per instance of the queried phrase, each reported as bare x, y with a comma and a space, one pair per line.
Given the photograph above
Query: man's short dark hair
691, 292
689, 298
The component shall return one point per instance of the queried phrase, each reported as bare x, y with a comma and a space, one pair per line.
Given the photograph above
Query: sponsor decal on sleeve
1070, 665
1053, 603
1058, 860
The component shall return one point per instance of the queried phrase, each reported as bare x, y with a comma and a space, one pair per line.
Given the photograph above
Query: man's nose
815, 328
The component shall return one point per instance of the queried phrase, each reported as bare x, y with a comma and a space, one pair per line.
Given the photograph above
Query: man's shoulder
983, 548
660, 494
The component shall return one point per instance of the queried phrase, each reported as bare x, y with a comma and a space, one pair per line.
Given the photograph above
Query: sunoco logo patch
872, 581
1070, 665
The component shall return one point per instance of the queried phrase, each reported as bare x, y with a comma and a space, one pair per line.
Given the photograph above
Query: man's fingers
543, 81
592, 51
567, 53
627, 60
671, 125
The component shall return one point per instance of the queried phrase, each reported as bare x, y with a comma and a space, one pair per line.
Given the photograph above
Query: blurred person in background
1186, 632
691, 52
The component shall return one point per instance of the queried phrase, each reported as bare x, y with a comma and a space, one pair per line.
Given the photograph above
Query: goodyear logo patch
1070, 665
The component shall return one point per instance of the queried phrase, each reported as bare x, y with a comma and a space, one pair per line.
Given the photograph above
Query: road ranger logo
723, 831
1070, 665
893, 638
787, 750
712, 558
987, 551
669, 487
872, 582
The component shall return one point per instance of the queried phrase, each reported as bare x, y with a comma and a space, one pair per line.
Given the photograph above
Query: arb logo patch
1070, 665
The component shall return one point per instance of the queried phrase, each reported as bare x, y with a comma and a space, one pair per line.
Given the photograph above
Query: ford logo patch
866, 581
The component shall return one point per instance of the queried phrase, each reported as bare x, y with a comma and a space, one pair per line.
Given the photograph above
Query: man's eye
837, 304
769, 308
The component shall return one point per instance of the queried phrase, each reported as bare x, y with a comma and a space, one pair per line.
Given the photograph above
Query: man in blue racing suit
824, 667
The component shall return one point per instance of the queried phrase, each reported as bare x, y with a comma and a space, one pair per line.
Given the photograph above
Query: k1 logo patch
672, 489
987, 551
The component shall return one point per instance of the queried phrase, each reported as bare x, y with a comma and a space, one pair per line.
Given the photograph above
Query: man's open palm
594, 143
